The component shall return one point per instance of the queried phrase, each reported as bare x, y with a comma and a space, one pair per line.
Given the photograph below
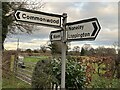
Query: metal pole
63, 52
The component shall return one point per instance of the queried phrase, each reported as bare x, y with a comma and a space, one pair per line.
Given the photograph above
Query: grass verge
13, 82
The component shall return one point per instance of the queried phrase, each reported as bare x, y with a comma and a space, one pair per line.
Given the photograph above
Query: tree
116, 45
102, 51
83, 51
6, 20
76, 49
9, 25
86, 49
87, 46
43, 48
90, 52
36, 51
28, 50
117, 60
55, 47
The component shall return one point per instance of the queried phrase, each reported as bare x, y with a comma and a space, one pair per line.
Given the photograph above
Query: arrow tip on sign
95, 28
17, 15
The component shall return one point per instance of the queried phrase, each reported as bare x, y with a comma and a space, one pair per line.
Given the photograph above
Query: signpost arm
63, 51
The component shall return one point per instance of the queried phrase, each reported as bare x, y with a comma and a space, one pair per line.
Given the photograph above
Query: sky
105, 12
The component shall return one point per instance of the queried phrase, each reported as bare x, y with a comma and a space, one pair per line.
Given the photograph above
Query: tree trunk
5, 22
4, 35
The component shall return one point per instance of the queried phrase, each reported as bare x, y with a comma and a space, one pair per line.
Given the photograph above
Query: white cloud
10, 46
34, 44
81, 1
108, 35
108, 10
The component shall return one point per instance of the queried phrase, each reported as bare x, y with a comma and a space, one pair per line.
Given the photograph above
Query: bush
102, 82
75, 75
49, 72
42, 77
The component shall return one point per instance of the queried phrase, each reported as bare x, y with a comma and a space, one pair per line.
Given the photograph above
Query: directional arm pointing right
95, 28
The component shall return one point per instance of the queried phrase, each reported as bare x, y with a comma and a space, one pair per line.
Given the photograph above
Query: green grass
31, 61
102, 82
10, 81
13, 82
34, 59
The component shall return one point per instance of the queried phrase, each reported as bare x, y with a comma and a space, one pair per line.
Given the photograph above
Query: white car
20, 62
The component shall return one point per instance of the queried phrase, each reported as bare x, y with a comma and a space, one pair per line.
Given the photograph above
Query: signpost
38, 17
77, 31
87, 29
83, 30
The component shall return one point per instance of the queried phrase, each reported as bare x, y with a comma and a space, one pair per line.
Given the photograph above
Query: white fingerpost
64, 39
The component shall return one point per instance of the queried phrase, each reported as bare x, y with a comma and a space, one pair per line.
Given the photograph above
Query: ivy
75, 74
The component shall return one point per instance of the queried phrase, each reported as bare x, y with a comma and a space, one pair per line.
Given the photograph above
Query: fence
25, 73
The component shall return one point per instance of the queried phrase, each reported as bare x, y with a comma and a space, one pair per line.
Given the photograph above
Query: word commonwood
38, 17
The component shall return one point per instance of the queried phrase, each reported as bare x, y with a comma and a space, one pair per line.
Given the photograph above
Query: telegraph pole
64, 39
16, 57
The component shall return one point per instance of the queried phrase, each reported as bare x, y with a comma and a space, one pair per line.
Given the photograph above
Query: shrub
49, 73
42, 76
102, 82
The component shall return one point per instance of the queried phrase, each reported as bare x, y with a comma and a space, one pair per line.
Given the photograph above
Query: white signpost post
74, 31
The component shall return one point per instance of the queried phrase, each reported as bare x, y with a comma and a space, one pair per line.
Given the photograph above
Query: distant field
30, 61
34, 59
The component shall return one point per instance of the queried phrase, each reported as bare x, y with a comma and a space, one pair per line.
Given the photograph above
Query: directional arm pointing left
17, 15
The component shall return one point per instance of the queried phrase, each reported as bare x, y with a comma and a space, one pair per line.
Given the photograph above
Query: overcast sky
105, 12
